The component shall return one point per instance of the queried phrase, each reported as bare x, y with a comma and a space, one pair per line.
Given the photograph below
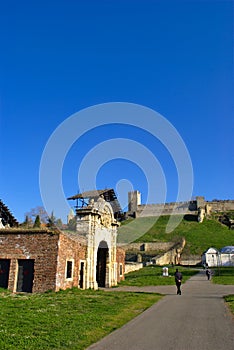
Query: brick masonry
70, 249
50, 251
40, 246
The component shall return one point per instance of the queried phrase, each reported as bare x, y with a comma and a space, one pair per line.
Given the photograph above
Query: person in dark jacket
208, 274
178, 279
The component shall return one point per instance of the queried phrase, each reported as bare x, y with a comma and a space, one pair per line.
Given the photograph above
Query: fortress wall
181, 208
172, 256
166, 206
187, 207
130, 266
191, 260
161, 209
146, 247
220, 206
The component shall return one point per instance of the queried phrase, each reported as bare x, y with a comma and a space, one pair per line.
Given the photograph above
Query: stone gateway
96, 223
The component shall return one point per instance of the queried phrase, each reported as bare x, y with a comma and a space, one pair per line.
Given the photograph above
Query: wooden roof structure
108, 194
6, 216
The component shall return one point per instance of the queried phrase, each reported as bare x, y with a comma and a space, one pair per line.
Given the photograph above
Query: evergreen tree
27, 222
37, 222
51, 220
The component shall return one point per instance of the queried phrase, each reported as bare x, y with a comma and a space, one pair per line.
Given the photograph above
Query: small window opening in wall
121, 269
69, 269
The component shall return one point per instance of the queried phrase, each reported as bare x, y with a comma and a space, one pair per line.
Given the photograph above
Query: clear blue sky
58, 57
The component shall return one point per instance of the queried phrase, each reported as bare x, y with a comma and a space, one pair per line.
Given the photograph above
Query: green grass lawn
152, 276
223, 275
199, 236
230, 302
74, 319
71, 319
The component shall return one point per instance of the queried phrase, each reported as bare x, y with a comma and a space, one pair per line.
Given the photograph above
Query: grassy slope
199, 236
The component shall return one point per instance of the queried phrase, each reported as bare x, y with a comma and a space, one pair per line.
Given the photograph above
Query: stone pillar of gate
96, 223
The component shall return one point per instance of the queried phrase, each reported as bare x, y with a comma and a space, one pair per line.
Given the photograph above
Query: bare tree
38, 211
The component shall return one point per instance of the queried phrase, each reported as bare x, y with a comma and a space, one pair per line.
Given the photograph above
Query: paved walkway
196, 320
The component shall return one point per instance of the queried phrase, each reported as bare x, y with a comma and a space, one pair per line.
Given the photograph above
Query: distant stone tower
134, 199
71, 215
200, 202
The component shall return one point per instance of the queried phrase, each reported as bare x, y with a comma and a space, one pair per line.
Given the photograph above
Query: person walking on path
208, 274
178, 279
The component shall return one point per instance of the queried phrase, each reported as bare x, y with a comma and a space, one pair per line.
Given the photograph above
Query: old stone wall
187, 207
191, 260
162, 209
221, 206
147, 247
172, 256
40, 246
133, 266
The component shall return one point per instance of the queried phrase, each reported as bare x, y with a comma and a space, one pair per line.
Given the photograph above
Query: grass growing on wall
71, 319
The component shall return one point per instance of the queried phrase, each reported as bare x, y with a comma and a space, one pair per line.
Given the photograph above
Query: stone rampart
191, 260
147, 247
182, 208
172, 256
132, 266
221, 206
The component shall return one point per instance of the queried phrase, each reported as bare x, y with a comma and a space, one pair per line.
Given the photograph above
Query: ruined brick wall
42, 246
70, 249
120, 259
52, 253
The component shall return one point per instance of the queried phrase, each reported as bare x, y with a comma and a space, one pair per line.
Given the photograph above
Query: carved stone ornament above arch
106, 217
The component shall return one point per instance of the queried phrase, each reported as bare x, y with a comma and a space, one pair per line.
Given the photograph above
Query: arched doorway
102, 260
